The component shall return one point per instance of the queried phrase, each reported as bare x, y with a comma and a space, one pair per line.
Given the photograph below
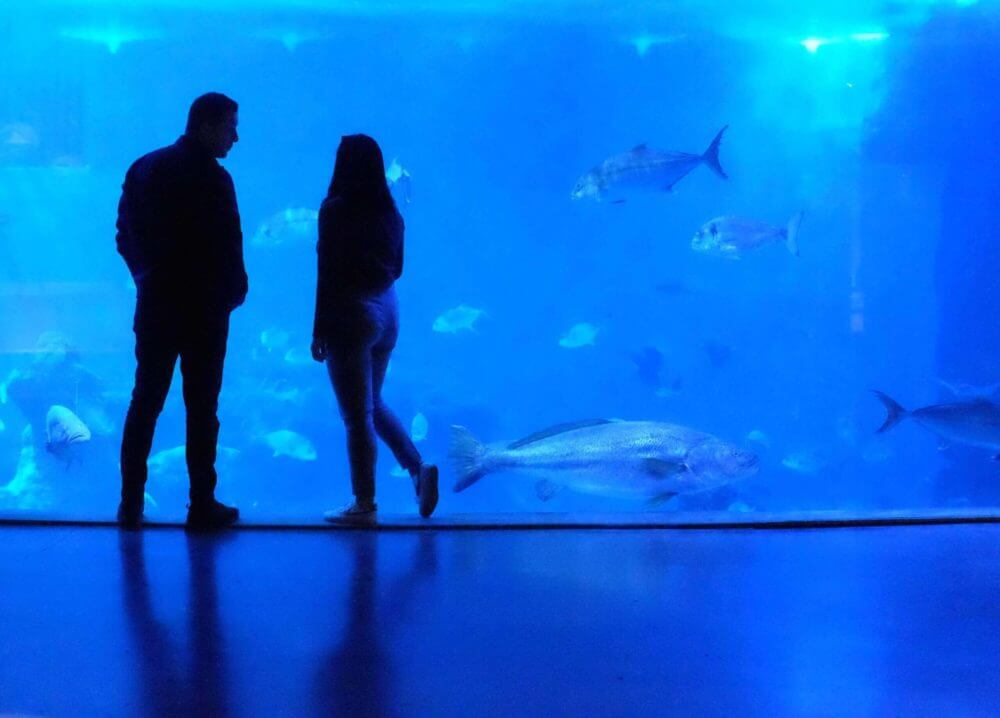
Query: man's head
212, 122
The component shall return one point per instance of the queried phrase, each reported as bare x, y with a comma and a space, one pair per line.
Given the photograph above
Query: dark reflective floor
899, 621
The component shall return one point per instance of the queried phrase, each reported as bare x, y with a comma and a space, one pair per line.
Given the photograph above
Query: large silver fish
625, 459
645, 168
63, 430
975, 422
732, 237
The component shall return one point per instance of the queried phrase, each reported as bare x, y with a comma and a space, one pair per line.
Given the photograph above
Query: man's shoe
427, 489
355, 512
211, 515
130, 516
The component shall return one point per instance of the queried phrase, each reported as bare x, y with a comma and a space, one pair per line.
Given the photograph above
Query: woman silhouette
357, 318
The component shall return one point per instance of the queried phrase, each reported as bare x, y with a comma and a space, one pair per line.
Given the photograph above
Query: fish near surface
732, 237
643, 168
623, 459
975, 422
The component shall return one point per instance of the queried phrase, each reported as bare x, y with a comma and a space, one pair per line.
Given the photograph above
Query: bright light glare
812, 44
869, 36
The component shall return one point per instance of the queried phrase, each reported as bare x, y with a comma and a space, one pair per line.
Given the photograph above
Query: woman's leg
387, 424
350, 370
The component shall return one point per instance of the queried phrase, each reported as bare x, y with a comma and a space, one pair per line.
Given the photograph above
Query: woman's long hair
359, 175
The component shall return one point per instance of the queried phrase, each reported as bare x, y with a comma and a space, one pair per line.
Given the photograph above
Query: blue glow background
496, 109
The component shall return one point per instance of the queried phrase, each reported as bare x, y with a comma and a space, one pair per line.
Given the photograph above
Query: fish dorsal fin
641, 147
556, 430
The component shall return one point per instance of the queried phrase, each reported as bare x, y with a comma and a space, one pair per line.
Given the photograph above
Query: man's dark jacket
179, 229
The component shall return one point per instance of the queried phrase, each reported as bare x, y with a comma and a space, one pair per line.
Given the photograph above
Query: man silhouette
179, 233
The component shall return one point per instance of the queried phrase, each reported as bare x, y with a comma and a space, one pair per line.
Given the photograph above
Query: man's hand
318, 349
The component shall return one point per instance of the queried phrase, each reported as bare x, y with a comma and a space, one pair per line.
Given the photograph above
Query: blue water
877, 122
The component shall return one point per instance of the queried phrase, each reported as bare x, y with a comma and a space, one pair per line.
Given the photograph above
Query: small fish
3, 426
398, 177
626, 459
149, 500
579, 335
759, 437
274, 339
281, 390
166, 461
285, 442
297, 225
458, 319
64, 429
19, 135
418, 427
643, 168
732, 237
173, 462
975, 422
297, 356
802, 462
669, 390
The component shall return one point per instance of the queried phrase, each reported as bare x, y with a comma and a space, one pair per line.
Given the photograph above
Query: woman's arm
324, 276
402, 245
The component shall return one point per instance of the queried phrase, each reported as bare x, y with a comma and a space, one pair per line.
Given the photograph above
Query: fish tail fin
711, 156
894, 412
469, 457
792, 233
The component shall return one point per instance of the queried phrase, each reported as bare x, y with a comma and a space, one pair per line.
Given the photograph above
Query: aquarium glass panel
675, 257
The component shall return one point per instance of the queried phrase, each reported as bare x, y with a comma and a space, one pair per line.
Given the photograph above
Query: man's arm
127, 239
142, 231
237, 274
